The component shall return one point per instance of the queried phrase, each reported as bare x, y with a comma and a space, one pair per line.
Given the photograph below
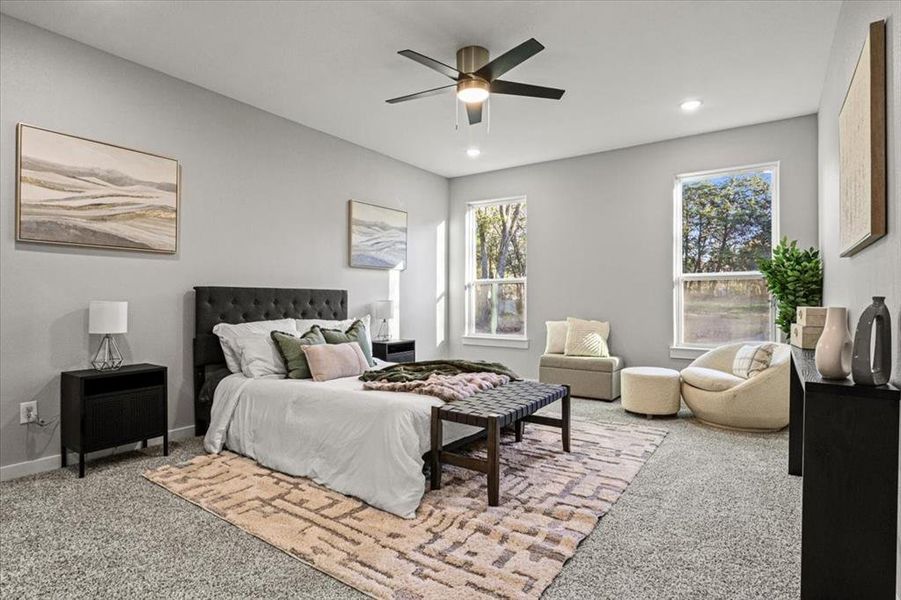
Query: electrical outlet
28, 412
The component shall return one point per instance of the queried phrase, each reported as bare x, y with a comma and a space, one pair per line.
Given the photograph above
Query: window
496, 270
724, 224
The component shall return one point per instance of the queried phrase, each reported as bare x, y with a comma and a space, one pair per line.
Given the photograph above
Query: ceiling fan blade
433, 64
499, 86
425, 94
474, 112
510, 59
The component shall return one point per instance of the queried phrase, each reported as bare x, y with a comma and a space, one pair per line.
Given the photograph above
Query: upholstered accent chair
717, 397
587, 376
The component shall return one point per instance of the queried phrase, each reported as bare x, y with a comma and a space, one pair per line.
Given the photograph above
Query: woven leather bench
512, 404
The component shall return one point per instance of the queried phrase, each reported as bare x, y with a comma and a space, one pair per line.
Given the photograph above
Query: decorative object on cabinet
384, 311
875, 369
378, 237
844, 437
795, 278
811, 316
106, 318
396, 351
808, 326
862, 164
79, 192
100, 410
833, 352
805, 336
897, 380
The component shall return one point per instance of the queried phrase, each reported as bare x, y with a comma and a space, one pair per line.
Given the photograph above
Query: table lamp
106, 318
384, 310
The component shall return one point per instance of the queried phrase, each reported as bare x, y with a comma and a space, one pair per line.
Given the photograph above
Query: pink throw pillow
332, 361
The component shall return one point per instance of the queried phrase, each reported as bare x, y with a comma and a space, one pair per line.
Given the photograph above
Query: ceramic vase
874, 331
833, 353
897, 380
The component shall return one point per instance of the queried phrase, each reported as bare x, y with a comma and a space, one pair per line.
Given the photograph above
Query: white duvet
363, 443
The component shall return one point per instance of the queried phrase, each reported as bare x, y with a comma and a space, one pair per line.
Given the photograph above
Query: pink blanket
446, 387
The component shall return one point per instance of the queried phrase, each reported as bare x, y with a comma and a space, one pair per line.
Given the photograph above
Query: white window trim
679, 350
497, 340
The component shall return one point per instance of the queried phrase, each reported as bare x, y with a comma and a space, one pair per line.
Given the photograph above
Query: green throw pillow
291, 348
355, 333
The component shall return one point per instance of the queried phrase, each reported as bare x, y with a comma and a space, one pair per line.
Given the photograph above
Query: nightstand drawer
402, 357
396, 351
123, 417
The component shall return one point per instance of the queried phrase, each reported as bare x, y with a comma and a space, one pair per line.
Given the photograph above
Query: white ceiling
625, 66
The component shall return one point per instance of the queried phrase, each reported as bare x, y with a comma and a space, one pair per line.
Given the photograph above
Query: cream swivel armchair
719, 398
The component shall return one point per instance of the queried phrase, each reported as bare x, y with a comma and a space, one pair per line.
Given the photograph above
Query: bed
367, 444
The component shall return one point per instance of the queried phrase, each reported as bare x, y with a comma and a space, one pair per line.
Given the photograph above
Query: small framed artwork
378, 236
861, 127
79, 192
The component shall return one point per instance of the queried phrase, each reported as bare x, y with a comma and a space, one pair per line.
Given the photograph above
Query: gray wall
263, 203
601, 232
877, 269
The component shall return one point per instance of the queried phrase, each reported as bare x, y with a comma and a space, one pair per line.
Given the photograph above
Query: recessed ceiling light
691, 105
473, 152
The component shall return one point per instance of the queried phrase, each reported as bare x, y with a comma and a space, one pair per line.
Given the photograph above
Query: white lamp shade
383, 309
106, 316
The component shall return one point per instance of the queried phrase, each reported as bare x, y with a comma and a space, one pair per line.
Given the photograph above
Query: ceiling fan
475, 78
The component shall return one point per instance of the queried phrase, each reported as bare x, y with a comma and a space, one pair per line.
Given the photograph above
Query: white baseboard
49, 463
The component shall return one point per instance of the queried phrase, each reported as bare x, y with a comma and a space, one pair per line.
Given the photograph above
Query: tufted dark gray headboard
214, 305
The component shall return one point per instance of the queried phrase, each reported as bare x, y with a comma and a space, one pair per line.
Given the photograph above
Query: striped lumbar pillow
752, 359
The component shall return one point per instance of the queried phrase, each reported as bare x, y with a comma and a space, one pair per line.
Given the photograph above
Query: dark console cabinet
103, 409
849, 517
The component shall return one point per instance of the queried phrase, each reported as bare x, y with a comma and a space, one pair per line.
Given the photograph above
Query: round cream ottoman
651, 390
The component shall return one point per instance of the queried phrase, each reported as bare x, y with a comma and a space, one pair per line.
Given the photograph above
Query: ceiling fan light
473, 152
472, 91
691, 105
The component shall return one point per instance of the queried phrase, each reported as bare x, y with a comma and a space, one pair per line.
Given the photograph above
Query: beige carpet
456, 546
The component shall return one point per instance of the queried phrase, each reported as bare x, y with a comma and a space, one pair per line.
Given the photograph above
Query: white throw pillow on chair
752, 359
556, 337
586, 338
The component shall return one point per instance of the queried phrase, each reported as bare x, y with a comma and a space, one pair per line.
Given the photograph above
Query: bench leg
493, 463
518, 429
436, 449
565, 418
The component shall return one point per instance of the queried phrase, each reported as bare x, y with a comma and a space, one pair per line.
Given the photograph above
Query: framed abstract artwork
378, 236
79, 192
862, 152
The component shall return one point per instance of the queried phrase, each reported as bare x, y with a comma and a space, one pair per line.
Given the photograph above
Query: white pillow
259, 356
556, 337
586, 338
752, 359
228, 332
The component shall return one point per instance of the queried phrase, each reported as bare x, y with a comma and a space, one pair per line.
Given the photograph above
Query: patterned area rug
456, 546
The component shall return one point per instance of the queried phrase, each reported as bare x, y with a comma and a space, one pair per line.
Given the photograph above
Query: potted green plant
794, 278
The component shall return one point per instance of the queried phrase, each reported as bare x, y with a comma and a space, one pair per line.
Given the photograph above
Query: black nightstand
103, 409
396, 351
